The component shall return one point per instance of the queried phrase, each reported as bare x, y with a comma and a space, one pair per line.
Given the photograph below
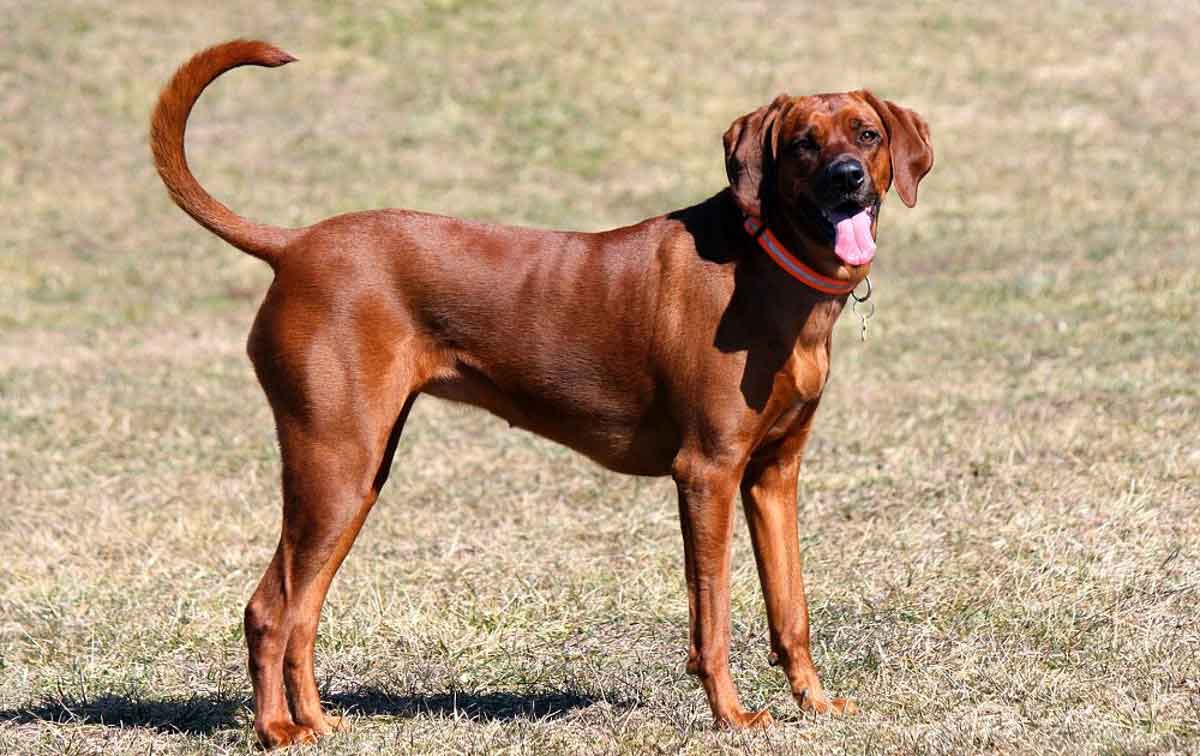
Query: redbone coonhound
694, 344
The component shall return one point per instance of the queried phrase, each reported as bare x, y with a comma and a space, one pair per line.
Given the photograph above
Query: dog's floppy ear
908, 138
750, 148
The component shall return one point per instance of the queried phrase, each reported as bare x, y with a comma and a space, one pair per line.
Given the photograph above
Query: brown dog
694, 344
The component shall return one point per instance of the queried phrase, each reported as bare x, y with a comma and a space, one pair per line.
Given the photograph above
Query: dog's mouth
847, 227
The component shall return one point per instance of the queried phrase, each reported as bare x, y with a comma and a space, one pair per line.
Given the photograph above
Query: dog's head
823, 163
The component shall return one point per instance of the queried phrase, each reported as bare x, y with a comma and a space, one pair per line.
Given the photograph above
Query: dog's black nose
847, 175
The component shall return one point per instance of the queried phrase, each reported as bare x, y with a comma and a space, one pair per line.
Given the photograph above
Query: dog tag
862, 308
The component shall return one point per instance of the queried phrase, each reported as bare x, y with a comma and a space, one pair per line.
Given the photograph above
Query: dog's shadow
205, 715
193, 715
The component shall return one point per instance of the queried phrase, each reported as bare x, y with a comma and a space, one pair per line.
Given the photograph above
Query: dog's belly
617, 432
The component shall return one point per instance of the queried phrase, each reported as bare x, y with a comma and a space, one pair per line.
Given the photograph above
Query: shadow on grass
485, 707
204, 715
194, 715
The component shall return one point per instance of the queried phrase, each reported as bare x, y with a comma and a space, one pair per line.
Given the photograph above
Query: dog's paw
282, 734
825, 705
746, 720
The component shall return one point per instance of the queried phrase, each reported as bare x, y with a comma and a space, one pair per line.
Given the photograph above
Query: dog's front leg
769, 498
706, 493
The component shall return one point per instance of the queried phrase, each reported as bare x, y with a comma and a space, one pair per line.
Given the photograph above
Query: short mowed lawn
1000, 507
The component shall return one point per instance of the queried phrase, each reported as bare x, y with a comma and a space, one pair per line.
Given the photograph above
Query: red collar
790, 264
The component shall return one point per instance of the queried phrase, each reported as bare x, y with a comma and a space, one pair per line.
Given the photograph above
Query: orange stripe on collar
792, 266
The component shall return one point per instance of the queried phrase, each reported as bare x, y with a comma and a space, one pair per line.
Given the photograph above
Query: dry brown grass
1001, 507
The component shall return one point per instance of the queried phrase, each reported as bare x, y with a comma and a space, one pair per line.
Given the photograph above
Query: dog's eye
868, 136
805, 144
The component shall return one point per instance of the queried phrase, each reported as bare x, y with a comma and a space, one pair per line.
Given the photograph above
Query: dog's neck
793, 313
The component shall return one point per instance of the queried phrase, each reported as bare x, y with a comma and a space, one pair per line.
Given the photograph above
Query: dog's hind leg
339, 419
329, 486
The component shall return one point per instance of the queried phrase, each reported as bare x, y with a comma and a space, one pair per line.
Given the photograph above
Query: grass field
1000, 507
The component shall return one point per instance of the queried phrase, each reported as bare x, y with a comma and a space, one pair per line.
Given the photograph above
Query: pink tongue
854, 243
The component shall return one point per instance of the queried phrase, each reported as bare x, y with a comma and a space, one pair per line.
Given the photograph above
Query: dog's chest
798, 386
803, 376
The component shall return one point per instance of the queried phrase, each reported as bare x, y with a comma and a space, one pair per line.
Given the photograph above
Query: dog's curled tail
167, 126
